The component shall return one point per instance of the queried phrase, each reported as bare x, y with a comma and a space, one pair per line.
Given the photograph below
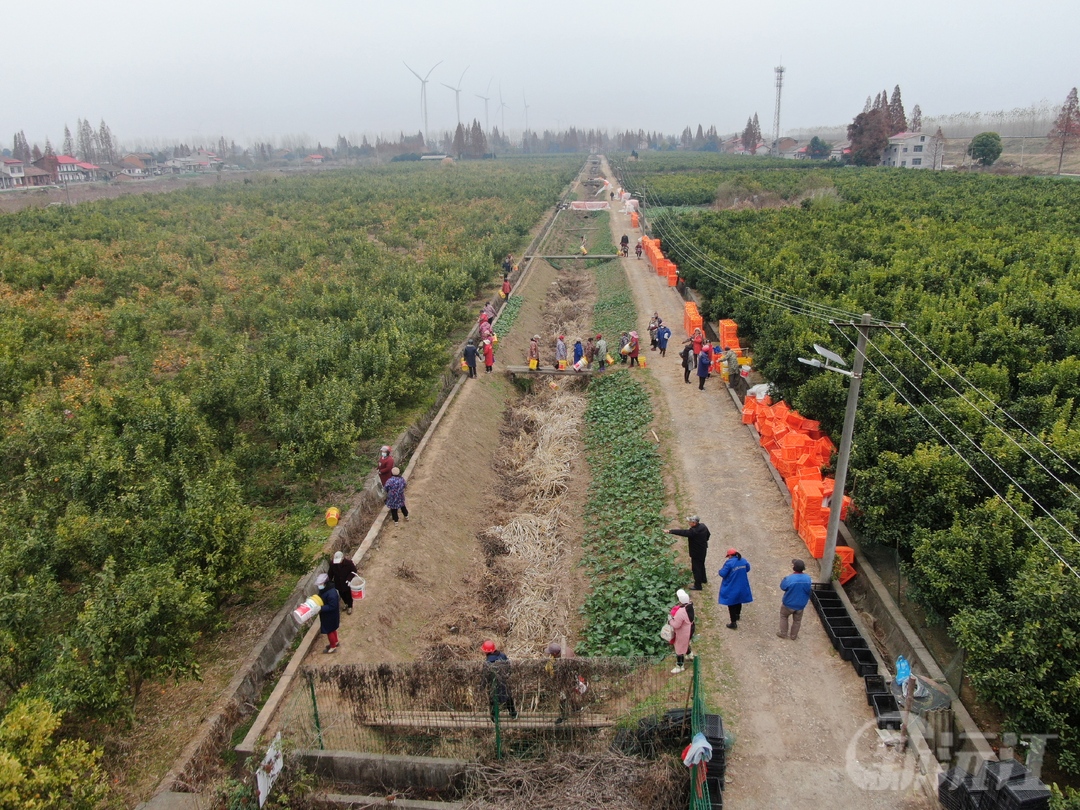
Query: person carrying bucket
329, 613
341, 572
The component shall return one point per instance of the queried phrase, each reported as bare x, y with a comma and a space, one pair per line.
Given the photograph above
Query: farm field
650, 451
974, 486
184, 377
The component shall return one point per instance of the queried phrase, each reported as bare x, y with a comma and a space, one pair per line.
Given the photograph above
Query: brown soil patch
442, 582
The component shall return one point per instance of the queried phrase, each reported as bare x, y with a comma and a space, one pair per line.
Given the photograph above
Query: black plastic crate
996, 774
875, 685
822, 587
886, 711
829, 614
978, 797
837, 633
716, 791
864, 662
823, 600
714, 733
840, 621
1026, 794
952, 788
849, 644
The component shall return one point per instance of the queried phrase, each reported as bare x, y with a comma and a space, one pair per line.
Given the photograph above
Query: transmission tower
776, 113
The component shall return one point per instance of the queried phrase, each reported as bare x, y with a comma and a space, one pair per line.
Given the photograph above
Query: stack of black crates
1004, 785
854, 648
714, 733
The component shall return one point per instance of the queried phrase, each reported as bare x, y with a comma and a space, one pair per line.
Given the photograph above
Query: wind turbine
526, 103
423, 94
502, 111
487, 125
457, 94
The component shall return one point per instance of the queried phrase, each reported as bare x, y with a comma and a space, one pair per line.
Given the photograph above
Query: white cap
339, 556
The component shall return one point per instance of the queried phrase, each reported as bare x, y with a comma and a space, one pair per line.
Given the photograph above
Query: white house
913, 150
11, 173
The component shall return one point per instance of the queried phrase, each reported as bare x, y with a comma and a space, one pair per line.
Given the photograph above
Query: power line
997, 407
966, 460
704, 264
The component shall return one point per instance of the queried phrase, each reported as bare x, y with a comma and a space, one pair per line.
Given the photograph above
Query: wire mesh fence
471, 710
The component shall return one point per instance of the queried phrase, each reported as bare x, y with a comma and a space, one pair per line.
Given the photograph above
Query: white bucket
308, 608
356, 587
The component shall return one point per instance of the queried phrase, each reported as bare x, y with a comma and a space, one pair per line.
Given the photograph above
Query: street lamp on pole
844, 453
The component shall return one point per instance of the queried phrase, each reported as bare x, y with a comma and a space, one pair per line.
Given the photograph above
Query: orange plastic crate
847, 572
846, 554
815, 541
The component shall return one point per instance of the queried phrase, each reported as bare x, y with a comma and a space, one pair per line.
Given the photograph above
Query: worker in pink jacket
682, 622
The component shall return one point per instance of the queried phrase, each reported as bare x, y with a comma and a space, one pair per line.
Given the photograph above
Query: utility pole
844, 453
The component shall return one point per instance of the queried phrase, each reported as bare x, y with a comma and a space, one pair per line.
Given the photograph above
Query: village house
65, 169
12, 173
913, 150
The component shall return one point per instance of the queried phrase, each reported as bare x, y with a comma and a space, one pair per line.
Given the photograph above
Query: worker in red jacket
386, 463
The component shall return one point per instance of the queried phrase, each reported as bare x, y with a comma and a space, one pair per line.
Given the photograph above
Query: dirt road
805, 735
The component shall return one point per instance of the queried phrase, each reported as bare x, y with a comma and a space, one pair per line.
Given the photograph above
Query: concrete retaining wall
425, 773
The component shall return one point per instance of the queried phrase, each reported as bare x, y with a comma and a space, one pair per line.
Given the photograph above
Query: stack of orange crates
798, 450
847, 563
729, 336
658, 262
633, 219
691, 318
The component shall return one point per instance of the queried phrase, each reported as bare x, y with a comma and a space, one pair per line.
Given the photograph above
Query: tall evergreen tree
916, 119
21, 147
868, 106
106, 143
86, 146
48, 147
897, 117
757, 131
459, 140
748, 141
69, 142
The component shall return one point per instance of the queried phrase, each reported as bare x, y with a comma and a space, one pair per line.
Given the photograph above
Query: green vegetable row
628, 557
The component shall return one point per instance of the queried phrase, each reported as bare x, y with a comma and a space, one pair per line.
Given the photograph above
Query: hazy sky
194, 69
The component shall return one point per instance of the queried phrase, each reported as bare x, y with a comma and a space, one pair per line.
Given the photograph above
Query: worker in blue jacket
796, 587
735, 586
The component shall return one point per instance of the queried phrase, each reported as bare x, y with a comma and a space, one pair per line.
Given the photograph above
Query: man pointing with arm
697, 541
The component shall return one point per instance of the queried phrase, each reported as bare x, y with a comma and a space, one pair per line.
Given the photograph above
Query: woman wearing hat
534, 352
682, 622
735, 586
395, 494
341, 573
635, 348
489, 355
386, 463
329, 613
497, 676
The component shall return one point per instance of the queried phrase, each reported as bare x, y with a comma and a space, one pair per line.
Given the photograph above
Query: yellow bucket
333, 514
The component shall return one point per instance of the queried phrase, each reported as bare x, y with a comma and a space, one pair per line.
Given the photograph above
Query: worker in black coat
697, 541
